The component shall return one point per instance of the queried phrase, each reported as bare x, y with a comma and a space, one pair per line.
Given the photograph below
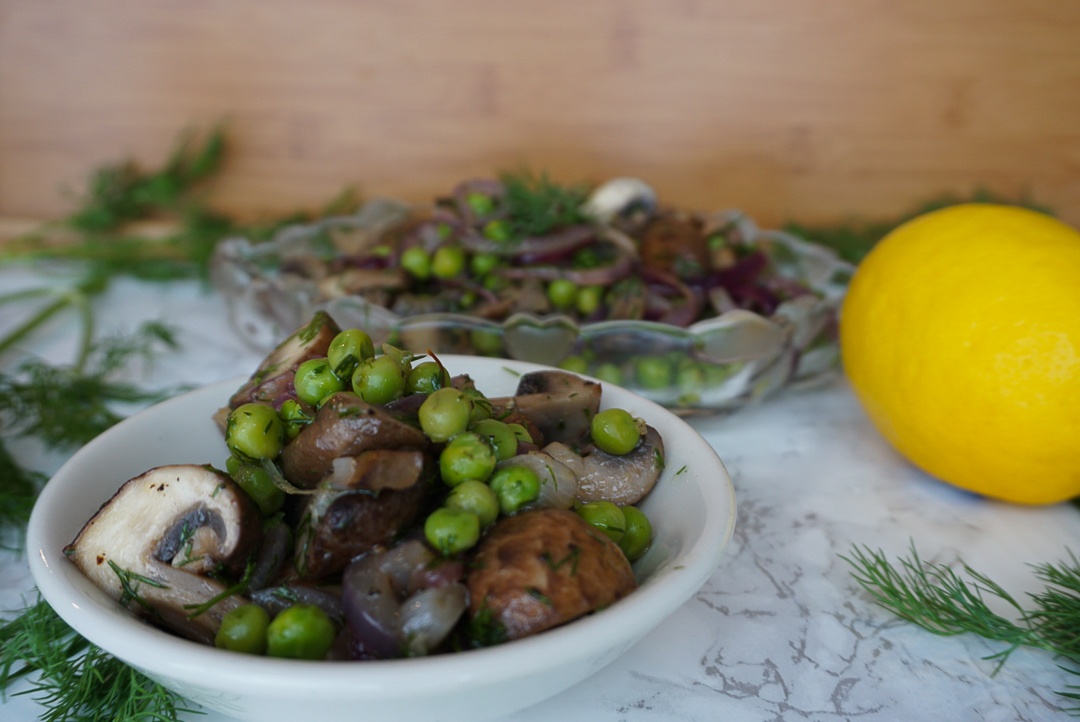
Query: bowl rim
113, 628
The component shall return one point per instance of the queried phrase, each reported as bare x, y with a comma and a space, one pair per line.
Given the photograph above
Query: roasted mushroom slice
345, 425
540, 569
272, 382
559, 403
153, 546
624, 479
350, 513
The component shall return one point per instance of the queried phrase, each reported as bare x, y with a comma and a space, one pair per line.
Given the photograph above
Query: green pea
348, 349
486, 342
416, 262
520, 433
379, 380
689, 376
445, 414
481, 406
588, 299
605, 516
639, 532
448, 262
315, 380
302, 631
609, 373
499, 435
467, 456
574, 364
452, 531
243, 629
294, 416
483, 263
481, 203
497, 230
426, 378
616, 431
654, 372
477, 497
256, 483
254, 431
562, 292
515, 486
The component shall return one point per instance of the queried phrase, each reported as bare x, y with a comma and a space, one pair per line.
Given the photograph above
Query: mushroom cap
559, 403
542, 568
625, 479
272, 381
345, 425
153, 543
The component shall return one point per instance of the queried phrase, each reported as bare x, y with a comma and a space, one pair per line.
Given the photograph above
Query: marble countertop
781, 631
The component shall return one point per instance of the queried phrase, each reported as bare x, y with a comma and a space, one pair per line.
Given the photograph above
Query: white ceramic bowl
692, 509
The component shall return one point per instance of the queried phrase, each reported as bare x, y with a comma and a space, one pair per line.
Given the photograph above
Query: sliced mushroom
351, 514
625, 479
153, 545
272, 382
542, 568
345, 425
559, 403
558, 482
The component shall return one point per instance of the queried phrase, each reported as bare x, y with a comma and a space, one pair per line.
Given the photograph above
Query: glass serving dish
729, 353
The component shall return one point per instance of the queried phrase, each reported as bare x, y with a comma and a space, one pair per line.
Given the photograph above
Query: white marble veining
780, 632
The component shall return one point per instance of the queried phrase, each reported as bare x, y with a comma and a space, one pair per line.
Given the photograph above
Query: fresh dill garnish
536, 205
195, 610
129, 584
67, 406
948, 602
572, 557
19, 488
121, 194
539, 596
73, 679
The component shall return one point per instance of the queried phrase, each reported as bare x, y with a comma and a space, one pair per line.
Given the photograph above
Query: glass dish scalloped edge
717, 365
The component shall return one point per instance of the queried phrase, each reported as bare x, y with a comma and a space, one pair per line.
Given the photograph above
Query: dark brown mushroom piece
543, 568
154, 544
272, 382
345, 425
366, 501
559, 403
625, 479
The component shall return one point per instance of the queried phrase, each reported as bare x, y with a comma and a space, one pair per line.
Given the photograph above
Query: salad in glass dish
701, 312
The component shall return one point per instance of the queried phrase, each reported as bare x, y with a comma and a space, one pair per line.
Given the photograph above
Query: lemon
960, 334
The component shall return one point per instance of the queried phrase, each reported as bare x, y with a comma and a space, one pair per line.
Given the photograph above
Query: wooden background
813, 110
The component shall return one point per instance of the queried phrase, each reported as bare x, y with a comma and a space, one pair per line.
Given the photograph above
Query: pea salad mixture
375, 506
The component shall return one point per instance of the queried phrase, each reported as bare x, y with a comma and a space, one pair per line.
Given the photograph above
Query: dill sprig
121, 194
536, 205
67, 406
947, 602
19, 489
74, 679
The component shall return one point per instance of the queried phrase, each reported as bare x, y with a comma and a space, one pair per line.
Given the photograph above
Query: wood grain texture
813, 110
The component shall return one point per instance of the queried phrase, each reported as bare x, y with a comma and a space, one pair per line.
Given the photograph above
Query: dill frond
947, 602
73, 679
536, 205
